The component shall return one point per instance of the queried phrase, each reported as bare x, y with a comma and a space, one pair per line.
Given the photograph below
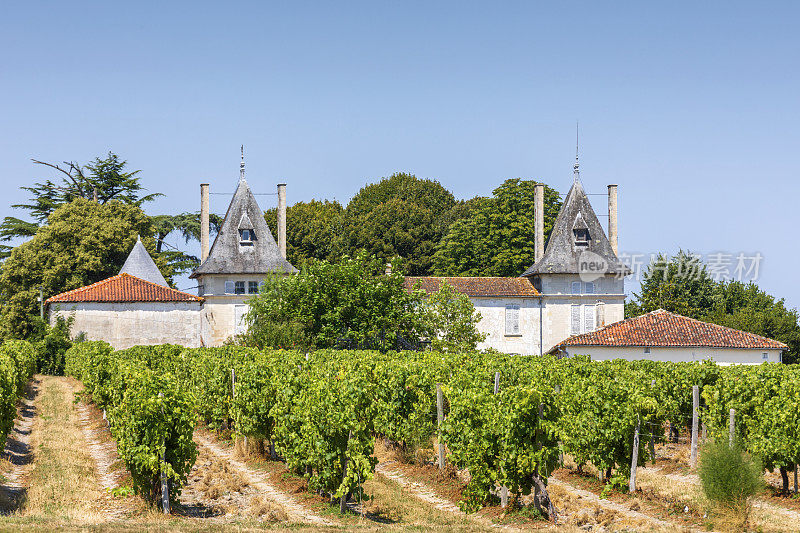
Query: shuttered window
588, 318
512, 319
229, 287
576, 287
588, 287
576, 319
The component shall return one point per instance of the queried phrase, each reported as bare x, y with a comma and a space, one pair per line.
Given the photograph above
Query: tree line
84, 221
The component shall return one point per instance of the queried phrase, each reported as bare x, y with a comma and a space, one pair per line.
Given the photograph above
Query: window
229, 287
252, 287
588, 287
647, 350
575, 316
246, 237
239, 287
576, 287
581, 237
765, 356
512, 319
588, 318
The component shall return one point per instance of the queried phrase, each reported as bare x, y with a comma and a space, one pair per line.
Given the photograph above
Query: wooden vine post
635, 455
503, 489
731, 427
652, 434
695, 409
440, 421
163, 468
343, 499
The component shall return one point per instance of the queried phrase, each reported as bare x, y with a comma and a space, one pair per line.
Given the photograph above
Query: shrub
730, 478
51, 349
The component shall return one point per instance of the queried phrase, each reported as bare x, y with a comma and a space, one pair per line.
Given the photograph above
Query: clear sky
692, 108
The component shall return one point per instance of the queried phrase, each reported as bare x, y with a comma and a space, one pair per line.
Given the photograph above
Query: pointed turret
576, 230
244, 244
139, 264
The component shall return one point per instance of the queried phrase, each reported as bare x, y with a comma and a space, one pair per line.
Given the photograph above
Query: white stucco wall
723, 356
129, 324
493, 322
222, 311
558, 300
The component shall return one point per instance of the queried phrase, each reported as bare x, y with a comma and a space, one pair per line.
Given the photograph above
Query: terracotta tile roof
662, 328
124, 288
477, 286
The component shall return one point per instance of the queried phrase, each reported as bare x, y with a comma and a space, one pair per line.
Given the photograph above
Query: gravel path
19, 451
103, 450
259, 480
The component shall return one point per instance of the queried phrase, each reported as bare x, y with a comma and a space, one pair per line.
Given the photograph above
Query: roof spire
576, 173
241, 166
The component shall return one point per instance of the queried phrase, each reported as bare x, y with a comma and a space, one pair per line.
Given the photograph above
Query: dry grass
267, 510
391, 505
62, 483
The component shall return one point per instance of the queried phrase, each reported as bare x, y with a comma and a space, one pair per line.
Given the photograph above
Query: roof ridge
115, 277
699, 328
714, 324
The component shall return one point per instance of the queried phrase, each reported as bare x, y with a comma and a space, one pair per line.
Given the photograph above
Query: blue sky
692, 108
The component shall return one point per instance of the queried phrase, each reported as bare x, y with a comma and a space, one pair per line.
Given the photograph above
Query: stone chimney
204, 222
612, 217
538, 217
282, 219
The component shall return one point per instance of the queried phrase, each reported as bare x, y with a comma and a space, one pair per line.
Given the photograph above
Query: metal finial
576, 173
241, 166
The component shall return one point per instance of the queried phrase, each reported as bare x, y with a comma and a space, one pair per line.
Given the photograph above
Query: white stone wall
129, 324
723, 356
221, 316
558, 300
493, 322
562, 284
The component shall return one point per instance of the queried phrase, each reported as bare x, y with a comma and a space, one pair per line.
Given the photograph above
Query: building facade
576, 284
664, 336
244, 253
138, 307
134, 307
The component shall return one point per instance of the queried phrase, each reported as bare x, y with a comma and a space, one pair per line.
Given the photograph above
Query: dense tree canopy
102, 180
352, 299
401, 215
356, 301
496, 237
681, 284
312, 229
83, 242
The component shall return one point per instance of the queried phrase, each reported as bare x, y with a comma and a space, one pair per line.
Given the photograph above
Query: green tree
352, 299
748, 308
497, 237
679, 284
401, 215
102, 180
83, 242
312, 229
452, 321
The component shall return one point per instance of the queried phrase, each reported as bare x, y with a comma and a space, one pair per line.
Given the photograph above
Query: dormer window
581, 238
246, 237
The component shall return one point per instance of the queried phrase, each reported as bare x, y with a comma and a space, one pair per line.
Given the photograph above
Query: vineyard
507, 420
487, 438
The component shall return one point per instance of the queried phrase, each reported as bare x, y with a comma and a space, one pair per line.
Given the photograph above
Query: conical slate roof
139, 264
229, 256
561, 255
